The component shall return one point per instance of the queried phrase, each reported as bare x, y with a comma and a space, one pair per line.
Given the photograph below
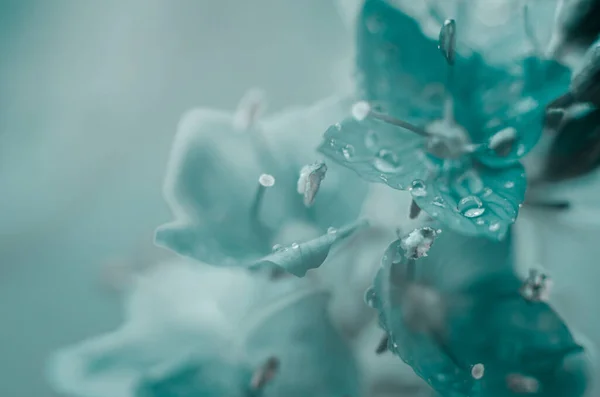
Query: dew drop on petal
277, 248
477, 371
509, 184
418, 188
294, 246
387, 161
480, 222
348, 152
471, 207
494, 227
331, 230
438, 201
360, 110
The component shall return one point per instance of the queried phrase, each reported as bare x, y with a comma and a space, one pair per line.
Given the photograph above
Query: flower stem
400, 123
264, 181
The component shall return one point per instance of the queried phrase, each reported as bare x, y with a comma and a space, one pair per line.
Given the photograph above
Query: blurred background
90, 96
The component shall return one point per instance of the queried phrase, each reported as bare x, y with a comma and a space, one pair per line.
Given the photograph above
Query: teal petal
201, 376
315, 359
402, 69
466, 314
209, 166
212, 183
377, 151
543, 82
297, 259
482, 201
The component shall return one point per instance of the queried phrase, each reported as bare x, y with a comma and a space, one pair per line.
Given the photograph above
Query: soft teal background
90, 95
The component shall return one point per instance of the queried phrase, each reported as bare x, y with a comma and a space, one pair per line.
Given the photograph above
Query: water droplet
371, 140
494, 227
387, 161
338, 126
471, 207
486, 192
348, 152
370, 297
509, 184
477, 371
480, 222
520, 149
277, 248
331, 230
418, 188
438, 201
295, 246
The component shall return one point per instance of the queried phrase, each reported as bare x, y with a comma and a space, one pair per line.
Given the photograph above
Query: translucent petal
192, 377
315, 360
203, 331
299, 258
482, 201
213, 165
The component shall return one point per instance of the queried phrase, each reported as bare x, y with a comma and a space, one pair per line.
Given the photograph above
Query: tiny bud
263, 375
266, 180
537, 287
447, 40
418, 242
360, 110
522, 384
477, 371
310, 180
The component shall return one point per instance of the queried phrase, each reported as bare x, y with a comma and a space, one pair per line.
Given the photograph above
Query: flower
234, 192
458, 319
207, 331
465, 147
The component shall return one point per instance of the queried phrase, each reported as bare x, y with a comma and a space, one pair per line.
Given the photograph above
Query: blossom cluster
298, 275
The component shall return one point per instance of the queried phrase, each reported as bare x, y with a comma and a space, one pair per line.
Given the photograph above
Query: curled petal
299, 258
